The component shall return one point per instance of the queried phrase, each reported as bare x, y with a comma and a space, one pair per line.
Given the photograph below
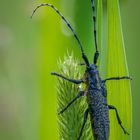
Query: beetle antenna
95, 32
68, 24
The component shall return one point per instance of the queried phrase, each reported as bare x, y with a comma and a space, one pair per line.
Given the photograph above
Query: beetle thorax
92, 70
92, 76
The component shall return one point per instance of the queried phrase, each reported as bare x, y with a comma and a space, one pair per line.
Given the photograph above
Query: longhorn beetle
95, 87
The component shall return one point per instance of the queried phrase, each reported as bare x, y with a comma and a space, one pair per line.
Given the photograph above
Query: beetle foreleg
118, 118
68, 79
84, 122
81, 93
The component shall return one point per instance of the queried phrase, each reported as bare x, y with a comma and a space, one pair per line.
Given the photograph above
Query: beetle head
92, 69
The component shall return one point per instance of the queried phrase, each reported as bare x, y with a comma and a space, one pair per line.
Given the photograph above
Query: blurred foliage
29, 51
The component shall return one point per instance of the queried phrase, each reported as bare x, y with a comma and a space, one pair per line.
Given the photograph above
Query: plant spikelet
70, 122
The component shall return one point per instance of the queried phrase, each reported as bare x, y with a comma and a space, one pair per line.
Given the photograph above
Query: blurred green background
29, 50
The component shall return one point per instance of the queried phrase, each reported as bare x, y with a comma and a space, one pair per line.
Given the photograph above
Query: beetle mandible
95, 91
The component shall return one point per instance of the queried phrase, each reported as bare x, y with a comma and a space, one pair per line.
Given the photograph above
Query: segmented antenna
94, 20
95, 32
68, 24
70, 27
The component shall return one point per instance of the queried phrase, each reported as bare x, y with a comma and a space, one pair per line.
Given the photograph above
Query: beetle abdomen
99, 116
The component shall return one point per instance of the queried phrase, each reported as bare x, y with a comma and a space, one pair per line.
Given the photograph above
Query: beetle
95, 90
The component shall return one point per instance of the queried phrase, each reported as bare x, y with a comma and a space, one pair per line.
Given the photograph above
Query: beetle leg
118, 78
68, 79
81, 93
118, 118
84, 122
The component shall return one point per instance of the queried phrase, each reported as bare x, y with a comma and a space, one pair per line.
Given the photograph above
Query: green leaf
119, 92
